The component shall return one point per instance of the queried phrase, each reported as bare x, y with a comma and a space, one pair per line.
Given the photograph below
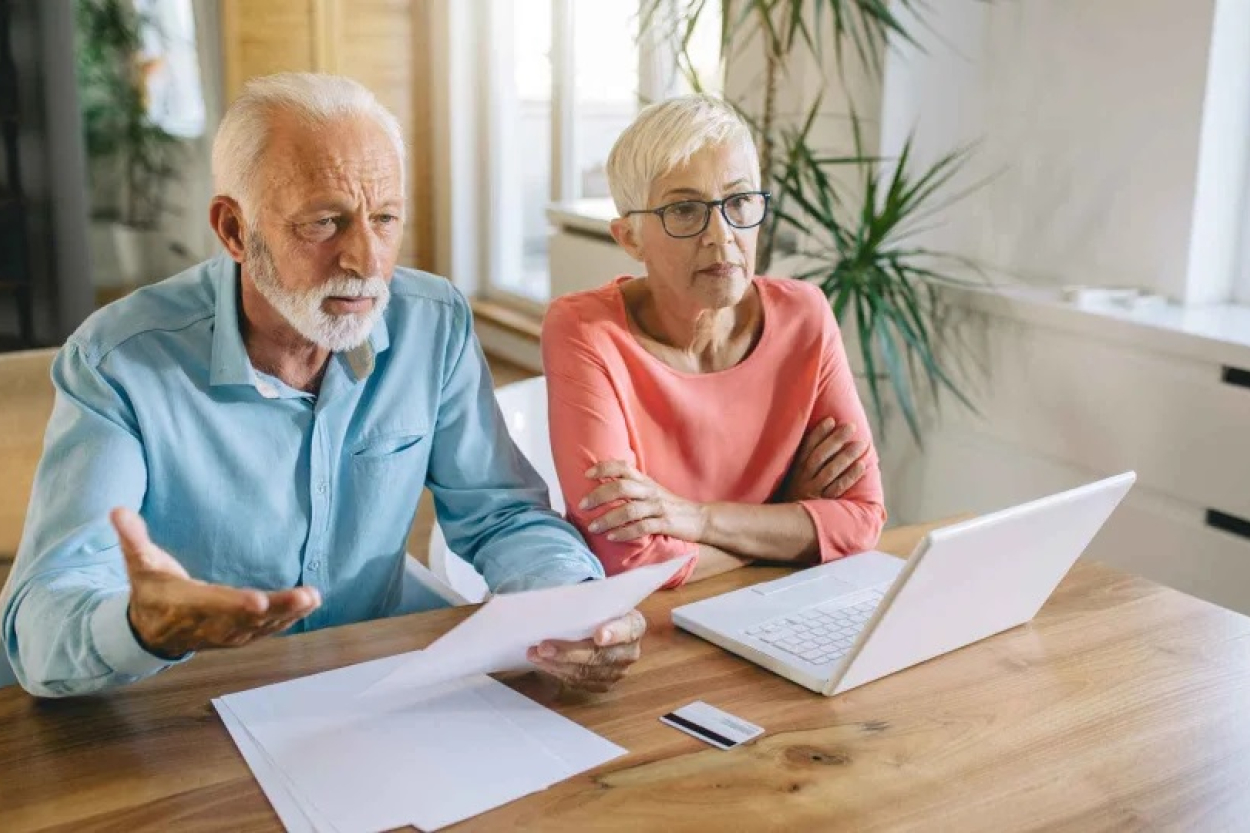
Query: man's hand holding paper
594, 664
593, 628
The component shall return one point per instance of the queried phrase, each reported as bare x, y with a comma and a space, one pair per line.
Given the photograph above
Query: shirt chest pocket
391, 458
385, 474
388, 445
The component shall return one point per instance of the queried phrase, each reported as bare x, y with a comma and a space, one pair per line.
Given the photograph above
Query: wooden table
1122, 706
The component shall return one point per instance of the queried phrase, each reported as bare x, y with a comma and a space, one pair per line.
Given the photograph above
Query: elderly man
270, 418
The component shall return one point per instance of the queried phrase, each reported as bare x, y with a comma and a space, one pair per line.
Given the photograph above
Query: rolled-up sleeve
587, 426
64, 608
492, 505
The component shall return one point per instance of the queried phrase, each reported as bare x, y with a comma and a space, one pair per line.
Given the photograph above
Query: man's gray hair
313, 98
664, 136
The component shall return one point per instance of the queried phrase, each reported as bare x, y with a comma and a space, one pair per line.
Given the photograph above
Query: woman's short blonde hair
665, 135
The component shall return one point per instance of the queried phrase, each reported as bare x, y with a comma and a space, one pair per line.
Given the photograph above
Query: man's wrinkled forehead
355, 156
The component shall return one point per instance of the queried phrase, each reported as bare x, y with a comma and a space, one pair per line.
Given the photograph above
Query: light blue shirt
250, 483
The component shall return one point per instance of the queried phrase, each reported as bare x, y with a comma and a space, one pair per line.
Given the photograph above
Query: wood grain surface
1121, 707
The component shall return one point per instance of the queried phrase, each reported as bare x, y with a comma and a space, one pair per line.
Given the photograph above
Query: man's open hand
172, 613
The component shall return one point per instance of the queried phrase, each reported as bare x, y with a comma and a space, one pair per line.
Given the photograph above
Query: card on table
712, 725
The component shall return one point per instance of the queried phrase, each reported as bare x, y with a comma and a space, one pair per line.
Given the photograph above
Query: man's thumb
141, 554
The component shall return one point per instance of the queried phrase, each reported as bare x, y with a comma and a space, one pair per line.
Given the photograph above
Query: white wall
1110, 151
1219, 254
1089, 116
840, 89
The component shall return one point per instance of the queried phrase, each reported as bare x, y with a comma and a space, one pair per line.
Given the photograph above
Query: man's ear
627, 237
226, 218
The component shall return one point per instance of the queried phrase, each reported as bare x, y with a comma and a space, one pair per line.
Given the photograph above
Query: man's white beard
302, 308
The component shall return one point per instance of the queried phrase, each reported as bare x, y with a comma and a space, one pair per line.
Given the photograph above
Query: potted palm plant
131, 158
851, 216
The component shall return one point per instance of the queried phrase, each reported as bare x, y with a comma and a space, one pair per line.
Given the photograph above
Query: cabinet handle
600, 237
1228, 523
1235, 376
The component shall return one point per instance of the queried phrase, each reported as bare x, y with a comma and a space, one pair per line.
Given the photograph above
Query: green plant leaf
899, 378
866, 325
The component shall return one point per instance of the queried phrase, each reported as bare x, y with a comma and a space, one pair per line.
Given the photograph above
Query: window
1218, 268
171, 67
1241, 280
569, 76
572, 88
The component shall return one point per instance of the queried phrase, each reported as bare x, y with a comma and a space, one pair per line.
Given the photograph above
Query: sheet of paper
497, 636
294, 815
430, 757
579, 748
441, 757
311, 696
315, 694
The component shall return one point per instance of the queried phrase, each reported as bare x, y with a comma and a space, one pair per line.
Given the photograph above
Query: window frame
656, 78
1241, 277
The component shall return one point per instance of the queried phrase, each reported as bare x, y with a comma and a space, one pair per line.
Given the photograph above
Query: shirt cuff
557, 572
116, 644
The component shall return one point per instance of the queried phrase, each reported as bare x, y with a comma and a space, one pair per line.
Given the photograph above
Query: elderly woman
701, 409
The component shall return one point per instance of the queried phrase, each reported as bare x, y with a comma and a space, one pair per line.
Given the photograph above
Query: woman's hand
827, 464
648, 508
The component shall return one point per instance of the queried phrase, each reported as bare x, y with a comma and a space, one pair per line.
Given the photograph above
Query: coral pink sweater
724, 436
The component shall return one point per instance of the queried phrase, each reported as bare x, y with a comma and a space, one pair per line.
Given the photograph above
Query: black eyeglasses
689, 218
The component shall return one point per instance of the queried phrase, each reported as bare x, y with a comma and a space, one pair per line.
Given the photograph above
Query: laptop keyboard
818, 634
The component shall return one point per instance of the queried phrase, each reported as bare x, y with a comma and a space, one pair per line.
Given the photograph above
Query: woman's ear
626, 236
226, 218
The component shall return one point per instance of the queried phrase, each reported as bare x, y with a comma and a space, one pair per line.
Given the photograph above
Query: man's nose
361, 253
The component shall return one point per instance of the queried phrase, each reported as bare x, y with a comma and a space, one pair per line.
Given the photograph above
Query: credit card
712, 725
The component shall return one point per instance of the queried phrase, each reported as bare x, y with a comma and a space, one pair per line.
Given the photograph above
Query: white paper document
428, 758
295, 817
497, 636
435, 741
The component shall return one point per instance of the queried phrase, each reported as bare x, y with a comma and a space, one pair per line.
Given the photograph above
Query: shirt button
314, 565
321, 487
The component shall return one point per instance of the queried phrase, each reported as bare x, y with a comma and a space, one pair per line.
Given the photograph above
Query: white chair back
524, 407
422, 590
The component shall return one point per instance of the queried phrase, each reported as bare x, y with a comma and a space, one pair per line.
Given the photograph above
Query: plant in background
853, 239
862, 261
124, 145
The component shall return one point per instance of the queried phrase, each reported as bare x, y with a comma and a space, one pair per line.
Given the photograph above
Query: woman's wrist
755, 532
711, 525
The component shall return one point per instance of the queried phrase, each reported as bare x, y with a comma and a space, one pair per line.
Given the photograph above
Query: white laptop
849, 622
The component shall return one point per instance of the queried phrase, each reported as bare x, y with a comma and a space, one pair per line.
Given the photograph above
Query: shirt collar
230, 363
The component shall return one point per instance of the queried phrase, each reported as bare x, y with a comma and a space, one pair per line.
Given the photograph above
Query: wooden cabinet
381, 43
